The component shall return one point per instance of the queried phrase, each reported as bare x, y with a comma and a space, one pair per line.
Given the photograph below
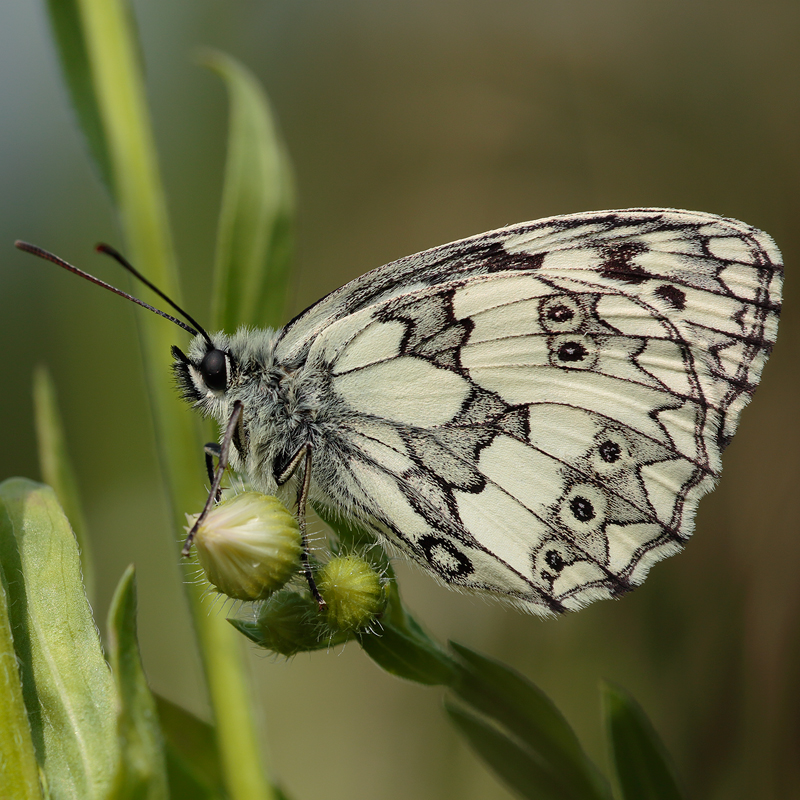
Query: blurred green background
411, 124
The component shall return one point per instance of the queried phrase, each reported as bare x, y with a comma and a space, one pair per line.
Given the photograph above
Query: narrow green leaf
515, 764
643, 767
68, 33
519, 706
142, 772
56, 468
193, 763
408, 654
184, 783
249, 629
253, 236
19, 773
117, 77
67, 686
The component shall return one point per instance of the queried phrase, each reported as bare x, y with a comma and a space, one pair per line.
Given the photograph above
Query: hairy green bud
353, 592
289, 622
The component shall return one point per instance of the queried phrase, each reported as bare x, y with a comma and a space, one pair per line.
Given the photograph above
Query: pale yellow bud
249, 546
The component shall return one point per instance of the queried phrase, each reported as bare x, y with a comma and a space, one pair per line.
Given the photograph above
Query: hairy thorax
284, 405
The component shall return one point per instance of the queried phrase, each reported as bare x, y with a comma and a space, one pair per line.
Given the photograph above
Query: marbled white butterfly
533, 412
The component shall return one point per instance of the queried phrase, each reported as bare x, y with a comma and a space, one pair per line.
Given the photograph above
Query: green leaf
520, 707
643, 767
67, 686
253, 236
193, 764
195, 772
184, 783
19, 772
114, 58
141, 772
514, 763
408, 653
65, 20
56, 467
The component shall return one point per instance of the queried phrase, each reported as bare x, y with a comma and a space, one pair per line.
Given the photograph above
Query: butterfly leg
303, 455
217, 476
302, 504
212, 450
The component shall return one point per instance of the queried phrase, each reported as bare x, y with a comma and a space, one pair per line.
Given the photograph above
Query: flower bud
353, 592
289, 623
248, 546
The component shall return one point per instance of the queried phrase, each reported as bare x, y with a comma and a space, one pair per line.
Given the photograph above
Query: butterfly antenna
120, 259
104, 248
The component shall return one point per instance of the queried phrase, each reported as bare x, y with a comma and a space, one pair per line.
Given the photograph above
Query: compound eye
214, 369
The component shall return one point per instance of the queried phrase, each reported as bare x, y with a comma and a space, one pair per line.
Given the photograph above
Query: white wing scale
536, 412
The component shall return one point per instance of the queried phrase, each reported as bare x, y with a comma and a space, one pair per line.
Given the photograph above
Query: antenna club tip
108, 250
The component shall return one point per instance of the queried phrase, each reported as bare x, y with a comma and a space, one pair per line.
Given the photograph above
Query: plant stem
118, 84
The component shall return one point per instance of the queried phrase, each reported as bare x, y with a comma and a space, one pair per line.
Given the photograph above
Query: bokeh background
411, 124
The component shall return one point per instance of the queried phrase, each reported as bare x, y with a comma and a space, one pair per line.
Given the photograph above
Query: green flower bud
289, 623
353, 592
248, 546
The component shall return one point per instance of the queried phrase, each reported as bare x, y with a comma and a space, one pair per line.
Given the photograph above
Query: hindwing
536, 412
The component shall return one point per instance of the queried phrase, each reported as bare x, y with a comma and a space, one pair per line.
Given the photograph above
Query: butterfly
532, 413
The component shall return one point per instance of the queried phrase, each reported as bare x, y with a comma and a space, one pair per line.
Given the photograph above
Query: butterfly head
222, 369
219, 369
206, 374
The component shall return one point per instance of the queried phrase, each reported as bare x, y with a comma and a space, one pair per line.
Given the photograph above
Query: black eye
214, 369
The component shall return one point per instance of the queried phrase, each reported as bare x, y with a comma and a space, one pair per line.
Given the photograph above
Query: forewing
537, 411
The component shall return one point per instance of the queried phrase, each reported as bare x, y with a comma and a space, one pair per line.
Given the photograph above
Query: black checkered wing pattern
535, 412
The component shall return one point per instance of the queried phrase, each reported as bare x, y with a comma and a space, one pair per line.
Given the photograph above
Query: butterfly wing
536, 412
